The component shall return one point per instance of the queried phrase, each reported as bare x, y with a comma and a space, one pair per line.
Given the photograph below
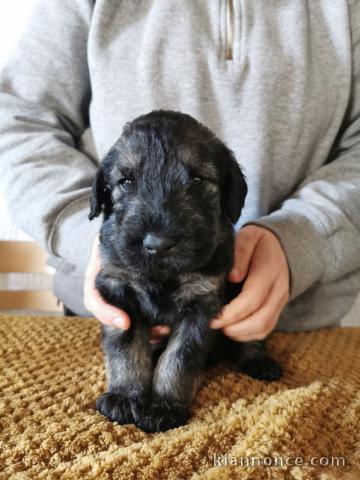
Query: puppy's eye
197, 180
125, 183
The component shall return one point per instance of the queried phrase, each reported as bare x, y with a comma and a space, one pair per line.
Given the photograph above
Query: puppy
170, 192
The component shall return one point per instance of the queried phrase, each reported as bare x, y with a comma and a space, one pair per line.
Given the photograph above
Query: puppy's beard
163, 267
158, 268
189, 255
172, 265
162, 272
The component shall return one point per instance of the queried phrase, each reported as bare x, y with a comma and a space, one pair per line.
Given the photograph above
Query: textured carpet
52, 372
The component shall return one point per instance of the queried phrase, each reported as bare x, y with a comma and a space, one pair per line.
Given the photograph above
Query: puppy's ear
234, 187
100, 195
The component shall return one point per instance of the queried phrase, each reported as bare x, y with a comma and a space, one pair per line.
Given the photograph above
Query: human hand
254, 313
103, 311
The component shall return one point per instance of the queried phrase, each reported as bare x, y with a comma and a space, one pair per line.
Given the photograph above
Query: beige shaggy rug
305, 426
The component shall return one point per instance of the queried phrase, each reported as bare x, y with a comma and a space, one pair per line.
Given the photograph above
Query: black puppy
170, 191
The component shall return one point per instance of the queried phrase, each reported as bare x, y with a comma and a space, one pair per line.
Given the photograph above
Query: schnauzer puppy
170, 192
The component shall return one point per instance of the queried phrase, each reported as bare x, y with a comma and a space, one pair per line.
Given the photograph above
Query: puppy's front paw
261, 368
163, 415
120, 408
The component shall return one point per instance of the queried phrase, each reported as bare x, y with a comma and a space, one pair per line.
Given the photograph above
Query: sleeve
319, 225
44, 103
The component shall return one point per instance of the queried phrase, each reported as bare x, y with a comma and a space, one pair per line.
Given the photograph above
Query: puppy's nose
155, 244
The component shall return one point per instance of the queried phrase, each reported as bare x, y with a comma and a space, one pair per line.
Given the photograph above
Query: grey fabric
287, 104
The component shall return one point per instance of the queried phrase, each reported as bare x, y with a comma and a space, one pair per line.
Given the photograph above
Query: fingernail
214, 323
236, 273
118, 322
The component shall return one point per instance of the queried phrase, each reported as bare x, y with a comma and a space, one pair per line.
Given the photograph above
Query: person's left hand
254, 313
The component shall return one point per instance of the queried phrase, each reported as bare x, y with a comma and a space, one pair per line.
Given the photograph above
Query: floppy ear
100, 195
234, 187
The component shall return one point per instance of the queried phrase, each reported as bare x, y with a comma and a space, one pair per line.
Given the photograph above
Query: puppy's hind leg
252, 358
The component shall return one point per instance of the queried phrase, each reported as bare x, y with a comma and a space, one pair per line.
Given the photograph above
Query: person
278, 82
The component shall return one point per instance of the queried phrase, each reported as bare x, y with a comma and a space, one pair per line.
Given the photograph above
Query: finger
94, 264
155, 339
106, 313
256, 287
157, 333
248, 338
259, 324
94, 303
243, 251
160, 330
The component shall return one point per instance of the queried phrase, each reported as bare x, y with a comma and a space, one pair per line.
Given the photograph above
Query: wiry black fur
185, 184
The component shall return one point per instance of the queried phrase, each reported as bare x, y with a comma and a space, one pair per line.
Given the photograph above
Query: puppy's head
167, 189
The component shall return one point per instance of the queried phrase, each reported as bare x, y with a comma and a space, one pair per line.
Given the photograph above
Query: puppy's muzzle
158, 244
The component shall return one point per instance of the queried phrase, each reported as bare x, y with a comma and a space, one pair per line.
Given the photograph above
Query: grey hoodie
277, 80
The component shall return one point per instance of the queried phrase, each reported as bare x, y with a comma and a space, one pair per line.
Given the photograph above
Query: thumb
245, 243
106, 313
93, 301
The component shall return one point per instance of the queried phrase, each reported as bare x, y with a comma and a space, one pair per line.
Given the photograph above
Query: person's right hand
106, 313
